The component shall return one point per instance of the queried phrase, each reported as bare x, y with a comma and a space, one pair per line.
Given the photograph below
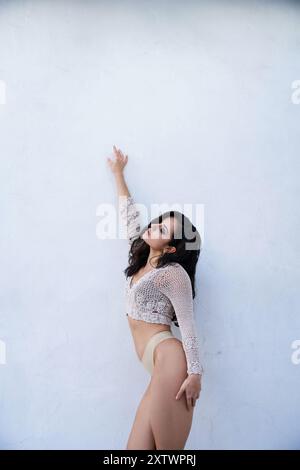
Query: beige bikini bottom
148, 354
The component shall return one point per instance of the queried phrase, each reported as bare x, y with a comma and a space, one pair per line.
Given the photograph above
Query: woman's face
159, 235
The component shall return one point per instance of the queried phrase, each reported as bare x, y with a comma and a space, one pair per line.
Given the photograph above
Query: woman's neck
153, 257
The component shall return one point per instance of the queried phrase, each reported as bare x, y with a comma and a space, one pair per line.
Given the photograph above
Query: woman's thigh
170, 419
141, 435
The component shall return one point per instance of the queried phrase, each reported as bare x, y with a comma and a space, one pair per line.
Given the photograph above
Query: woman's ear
170, 249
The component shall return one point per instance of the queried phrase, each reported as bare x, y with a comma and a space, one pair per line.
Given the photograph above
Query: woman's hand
192, 388
117, 165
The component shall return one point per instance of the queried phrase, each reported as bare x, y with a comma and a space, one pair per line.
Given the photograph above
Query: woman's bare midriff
142, 331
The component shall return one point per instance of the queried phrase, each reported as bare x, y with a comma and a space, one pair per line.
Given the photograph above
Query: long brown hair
185, 234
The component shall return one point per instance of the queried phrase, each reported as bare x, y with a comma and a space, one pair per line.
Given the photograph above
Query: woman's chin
145, 238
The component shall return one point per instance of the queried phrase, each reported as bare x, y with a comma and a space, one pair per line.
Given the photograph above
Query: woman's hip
157, 348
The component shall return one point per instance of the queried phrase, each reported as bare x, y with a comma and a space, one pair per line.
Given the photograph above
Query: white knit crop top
157, 294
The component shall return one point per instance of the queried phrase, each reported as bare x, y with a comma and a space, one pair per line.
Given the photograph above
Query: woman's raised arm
117, 167
130, 216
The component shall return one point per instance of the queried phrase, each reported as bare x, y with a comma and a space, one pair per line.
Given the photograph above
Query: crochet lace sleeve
175, 283
130, 217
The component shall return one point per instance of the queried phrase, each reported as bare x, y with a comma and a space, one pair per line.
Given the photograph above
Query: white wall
199, 94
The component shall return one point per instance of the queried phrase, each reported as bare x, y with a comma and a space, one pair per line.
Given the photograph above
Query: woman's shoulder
175, 267
172, 273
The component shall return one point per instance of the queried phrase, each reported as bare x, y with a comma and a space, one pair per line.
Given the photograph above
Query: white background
199, 94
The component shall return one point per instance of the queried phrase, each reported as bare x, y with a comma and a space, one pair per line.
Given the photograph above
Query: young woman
160, 290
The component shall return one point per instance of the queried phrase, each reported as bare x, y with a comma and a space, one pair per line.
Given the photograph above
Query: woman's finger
188, 402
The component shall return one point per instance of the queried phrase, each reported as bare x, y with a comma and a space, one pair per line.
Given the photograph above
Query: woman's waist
142, 332
141, 325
